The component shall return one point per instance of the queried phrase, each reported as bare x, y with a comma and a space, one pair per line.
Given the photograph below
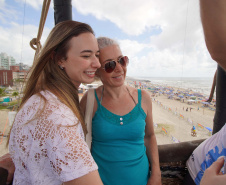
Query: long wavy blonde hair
46, 74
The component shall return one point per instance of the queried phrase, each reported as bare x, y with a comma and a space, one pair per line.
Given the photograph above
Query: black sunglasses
109, 67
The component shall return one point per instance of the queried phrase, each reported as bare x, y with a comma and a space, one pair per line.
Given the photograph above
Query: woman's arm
150, 141
90, 178
213, 21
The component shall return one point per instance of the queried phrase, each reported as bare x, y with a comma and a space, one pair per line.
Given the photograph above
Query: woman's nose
118, 67
96, 62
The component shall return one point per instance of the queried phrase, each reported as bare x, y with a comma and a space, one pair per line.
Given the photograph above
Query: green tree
15, 94
2, 91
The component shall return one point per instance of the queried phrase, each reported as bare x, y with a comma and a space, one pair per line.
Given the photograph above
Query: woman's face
82, 59
117, 77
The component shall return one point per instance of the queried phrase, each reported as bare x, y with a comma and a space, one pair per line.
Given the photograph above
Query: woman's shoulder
47, 107
145, 93
98, 91
135, 92
132, 90
30, 108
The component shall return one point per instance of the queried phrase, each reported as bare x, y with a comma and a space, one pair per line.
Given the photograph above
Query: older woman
123, 142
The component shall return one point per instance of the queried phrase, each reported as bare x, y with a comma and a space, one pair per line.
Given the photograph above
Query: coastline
172, 123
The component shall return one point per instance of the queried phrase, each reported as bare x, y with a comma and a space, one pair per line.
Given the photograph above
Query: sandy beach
178, 126
172, 122
4, 128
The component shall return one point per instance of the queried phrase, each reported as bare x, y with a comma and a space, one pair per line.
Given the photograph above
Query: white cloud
178, 50
134, 17
17, 45
166, 62
131, 48
2, 2
131, 17
36, 4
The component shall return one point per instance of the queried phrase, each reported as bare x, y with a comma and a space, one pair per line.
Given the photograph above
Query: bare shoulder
146, 96
146, 102
99, 90
132, 90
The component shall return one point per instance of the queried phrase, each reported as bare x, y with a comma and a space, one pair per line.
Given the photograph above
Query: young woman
123, 139
47, 138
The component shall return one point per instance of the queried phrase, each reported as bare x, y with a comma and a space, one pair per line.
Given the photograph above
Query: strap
139, 96
131, 96
98, 102
88, 116
102, 94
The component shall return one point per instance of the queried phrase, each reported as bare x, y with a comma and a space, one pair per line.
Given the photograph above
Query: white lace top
48, 150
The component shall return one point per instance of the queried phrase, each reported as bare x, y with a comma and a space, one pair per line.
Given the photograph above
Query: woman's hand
6, 162
212, 174
155, 179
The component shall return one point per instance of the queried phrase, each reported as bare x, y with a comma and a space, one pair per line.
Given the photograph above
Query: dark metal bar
62, 10
220, 114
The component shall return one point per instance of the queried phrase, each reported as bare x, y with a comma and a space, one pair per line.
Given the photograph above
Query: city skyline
6, 61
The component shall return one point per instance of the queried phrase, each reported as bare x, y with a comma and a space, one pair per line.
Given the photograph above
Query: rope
36, 41
185, 34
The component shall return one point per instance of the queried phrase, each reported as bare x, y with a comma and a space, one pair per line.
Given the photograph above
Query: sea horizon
201, 85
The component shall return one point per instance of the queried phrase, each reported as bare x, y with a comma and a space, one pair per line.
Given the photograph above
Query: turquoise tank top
118, 146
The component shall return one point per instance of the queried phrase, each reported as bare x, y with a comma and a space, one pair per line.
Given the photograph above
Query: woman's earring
61, 67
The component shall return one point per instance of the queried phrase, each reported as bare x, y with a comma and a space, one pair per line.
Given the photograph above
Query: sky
162, 38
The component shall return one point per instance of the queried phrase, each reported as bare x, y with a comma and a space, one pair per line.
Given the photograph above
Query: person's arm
150, 142
213, 18
6, 162
211, 174
90, 178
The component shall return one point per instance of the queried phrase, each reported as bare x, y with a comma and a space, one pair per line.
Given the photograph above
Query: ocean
201, 85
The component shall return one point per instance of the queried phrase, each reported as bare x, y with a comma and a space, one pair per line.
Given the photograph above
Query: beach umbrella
180, 96
191, 100
208, 128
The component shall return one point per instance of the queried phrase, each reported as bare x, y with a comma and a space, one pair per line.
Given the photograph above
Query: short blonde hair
105, 41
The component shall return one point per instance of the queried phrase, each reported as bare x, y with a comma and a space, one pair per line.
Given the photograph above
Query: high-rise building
6, 61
